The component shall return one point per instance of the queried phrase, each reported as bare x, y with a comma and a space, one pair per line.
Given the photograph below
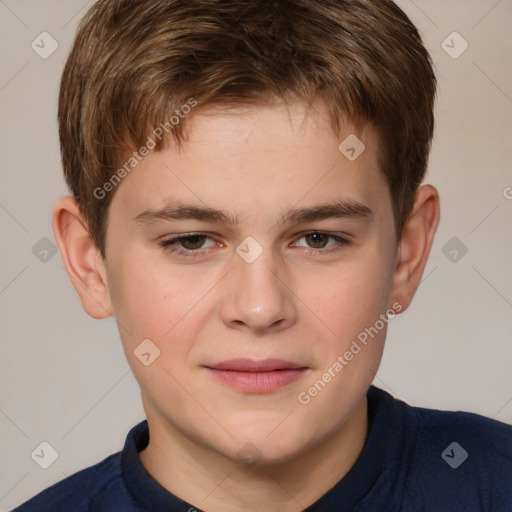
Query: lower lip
257, 382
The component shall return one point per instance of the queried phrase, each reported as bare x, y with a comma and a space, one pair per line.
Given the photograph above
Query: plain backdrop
63, 376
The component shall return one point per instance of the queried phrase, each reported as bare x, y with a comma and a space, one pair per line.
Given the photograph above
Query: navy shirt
414, 460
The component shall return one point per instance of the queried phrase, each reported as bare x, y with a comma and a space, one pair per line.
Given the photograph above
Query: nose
257, 298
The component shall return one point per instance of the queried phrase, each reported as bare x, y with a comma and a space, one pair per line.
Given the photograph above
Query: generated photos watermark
305, 397
137, 156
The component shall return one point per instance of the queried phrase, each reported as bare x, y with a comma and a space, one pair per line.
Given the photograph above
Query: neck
213, 482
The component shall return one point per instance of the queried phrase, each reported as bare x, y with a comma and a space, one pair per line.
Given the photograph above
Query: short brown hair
134, 63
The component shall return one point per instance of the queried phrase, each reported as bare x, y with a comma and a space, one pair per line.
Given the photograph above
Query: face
258, 260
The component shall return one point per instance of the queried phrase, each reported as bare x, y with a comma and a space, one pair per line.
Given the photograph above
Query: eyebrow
341, 209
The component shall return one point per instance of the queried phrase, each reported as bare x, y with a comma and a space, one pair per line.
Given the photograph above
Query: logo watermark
304, 397
137, 156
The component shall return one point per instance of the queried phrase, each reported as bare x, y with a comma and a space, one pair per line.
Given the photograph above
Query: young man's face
250, 314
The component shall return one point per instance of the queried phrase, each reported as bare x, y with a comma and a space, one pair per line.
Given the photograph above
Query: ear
81, 257
415, 244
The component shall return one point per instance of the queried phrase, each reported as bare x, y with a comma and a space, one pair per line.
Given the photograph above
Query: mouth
252, 376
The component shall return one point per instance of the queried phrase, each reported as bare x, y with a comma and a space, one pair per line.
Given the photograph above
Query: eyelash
168, 244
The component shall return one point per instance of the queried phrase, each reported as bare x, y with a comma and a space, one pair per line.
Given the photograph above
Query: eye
187, 245
196, 244
321, 242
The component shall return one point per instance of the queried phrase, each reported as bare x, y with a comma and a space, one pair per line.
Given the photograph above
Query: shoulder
481, 438
101, 482
484, 437
460, 455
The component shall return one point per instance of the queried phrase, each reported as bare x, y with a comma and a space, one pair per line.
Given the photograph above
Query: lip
251, 376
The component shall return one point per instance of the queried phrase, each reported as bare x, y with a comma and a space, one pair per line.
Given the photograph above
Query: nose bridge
257, 297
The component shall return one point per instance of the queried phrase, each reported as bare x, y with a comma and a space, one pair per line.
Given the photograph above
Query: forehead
257, 159
266, 126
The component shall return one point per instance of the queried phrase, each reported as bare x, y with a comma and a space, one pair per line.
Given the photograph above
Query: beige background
63, 376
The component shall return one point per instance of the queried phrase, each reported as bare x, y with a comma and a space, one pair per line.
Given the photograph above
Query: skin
303, 300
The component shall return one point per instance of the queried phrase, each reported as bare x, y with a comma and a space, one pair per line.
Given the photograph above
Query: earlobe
81, 258
415, 245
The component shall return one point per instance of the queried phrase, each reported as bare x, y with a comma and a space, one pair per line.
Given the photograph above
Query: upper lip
250, 365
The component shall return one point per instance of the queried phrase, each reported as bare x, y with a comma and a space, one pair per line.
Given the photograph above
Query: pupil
318, 239
193, 241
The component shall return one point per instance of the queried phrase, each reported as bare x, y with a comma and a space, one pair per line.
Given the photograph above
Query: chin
267, 442
260, 453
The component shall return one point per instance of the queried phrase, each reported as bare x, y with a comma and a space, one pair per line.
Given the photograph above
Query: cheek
156, 301
355, 296
350, 298
151, 303
145, 300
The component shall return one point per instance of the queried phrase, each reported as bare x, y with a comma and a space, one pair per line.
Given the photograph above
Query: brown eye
317, 240
188, 245
192, 242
